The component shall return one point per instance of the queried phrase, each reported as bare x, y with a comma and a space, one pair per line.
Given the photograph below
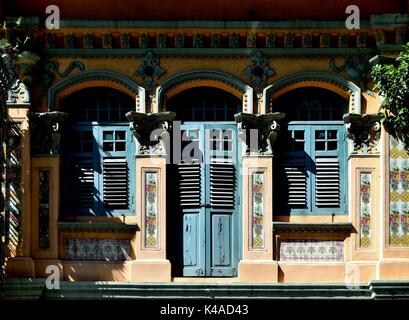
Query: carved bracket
150, 130
363, 130
267, 127
46, 130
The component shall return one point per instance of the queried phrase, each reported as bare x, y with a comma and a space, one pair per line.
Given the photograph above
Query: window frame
309, 128
98, 155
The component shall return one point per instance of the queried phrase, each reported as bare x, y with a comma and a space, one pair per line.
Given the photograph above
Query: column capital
150, 129
267, 126
363, 130
46, 129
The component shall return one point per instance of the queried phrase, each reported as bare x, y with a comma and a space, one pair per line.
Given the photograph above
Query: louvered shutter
327, 182
296, 181
82, 184
189, 178
222, 185
115, 183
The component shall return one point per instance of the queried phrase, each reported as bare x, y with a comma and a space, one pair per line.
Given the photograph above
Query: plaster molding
195, 75
106, 75
317, 76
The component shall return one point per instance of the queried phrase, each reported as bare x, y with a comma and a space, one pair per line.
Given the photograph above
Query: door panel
221, 244
208, 201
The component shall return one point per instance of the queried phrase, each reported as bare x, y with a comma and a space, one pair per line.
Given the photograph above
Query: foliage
392, 82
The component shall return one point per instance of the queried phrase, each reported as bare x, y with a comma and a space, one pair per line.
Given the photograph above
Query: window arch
98, 153
311, 156
204, 104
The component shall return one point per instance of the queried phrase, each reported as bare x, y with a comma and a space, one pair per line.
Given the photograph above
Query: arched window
204, 104
311, 156
98, 153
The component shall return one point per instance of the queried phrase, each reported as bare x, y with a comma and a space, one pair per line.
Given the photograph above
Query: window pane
320, 134
320, 145
120, 135
332, 145
108, 135
108, 146
299, 135
332, 134
120, 146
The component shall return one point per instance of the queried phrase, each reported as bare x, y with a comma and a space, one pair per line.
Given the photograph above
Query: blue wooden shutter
296, 179
115, 183
222, 185
81, 183
329, 175
116, 163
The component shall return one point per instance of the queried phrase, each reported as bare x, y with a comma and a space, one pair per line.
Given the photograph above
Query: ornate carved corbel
46, 130
364, 131
149, 130
267, 126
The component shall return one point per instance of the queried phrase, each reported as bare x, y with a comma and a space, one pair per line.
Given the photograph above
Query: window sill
98, 226
313, 227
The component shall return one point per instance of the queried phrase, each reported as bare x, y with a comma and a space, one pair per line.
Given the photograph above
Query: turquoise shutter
191, 187
328, 151
115, 183
116, 170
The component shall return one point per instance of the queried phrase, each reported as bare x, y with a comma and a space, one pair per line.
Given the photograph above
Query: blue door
208, 199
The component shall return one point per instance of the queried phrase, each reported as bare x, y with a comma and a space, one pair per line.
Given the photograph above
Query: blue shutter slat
115, 183
327, 182
222, 185
82, 183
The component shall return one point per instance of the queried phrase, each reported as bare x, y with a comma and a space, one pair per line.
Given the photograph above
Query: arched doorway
203, 197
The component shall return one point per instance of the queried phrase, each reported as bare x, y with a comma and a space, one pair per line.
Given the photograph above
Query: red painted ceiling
204, 9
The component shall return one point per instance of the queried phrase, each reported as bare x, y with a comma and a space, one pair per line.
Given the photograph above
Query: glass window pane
120, 146
119, 135
320, 134
108, 135
320, 146
108, 146
332, 145
332, 134
299, 135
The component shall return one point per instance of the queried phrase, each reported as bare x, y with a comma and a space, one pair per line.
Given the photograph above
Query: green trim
210, 52
389, 20
395, 48
313, 227
97, 226
348, 86
99, 75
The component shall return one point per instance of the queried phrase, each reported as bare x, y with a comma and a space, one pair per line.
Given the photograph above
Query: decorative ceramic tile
258, 210
399, 194
13, 186
151, 209
97, 249
365, 205
311, 250
44, 209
